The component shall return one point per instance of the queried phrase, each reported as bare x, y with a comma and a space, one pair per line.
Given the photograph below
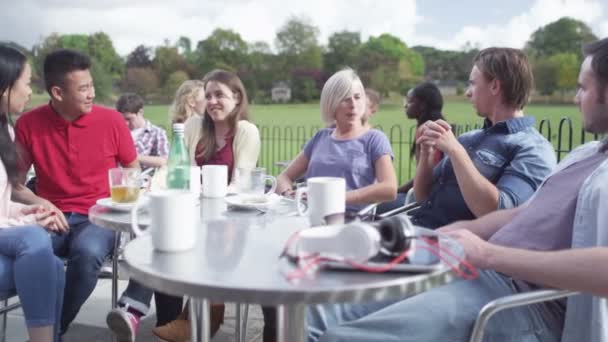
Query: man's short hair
129, 103
59, 63
511, 68
373, 96
599, 64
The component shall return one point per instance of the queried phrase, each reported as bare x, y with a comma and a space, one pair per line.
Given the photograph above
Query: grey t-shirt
352, 159
546, 224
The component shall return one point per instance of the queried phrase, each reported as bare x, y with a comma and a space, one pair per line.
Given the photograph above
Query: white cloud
150, 22
518, 29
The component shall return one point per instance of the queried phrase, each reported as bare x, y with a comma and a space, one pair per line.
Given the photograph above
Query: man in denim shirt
558, 239
497, 167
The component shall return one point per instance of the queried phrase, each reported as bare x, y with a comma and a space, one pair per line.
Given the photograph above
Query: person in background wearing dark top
422, 103
496, 167
72, 144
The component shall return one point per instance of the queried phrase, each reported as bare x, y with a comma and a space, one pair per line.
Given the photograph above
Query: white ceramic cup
325, 196
195, 180
252, 182
174, 218
215, 180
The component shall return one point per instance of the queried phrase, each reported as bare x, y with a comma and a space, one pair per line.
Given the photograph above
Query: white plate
107, 202
253, 202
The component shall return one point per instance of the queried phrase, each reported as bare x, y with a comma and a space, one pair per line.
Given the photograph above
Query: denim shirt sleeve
532, 163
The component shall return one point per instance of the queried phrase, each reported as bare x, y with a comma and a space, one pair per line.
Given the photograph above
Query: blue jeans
138, 297
29, 267
446, 313
85, 246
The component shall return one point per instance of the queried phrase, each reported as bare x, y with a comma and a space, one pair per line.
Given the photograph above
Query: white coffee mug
174, 218
215, 180
195, 180
325, 196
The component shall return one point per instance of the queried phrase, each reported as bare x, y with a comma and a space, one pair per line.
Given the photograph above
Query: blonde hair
179, 112
337, 87
240, 111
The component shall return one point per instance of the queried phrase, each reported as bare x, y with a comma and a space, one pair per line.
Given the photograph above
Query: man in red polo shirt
72, 144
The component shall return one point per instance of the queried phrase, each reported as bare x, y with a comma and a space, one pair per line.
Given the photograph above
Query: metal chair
513, 301
4, 310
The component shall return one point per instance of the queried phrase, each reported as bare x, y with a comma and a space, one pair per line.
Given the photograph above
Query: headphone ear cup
392, 235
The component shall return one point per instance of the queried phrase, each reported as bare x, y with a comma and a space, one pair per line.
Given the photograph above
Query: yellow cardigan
245, 146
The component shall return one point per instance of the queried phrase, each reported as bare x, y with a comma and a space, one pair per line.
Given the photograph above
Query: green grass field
282, 140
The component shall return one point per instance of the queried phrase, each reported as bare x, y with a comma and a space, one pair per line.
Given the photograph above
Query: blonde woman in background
189, 100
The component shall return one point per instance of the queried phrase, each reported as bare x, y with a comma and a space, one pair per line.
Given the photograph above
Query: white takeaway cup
174, 218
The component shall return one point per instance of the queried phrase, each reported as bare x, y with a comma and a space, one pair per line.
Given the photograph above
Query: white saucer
107, 202
253, 202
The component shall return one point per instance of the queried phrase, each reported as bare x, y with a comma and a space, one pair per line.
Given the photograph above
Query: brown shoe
179, 329
174, 331
217, 317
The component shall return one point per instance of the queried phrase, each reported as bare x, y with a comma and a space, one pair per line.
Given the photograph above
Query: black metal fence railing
280, 144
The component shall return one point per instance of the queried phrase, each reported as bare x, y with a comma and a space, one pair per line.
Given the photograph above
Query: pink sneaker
123, 324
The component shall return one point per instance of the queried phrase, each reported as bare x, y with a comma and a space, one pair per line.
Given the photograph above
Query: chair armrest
404, 209
513, 301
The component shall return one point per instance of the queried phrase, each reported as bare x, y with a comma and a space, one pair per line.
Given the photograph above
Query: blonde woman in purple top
348, 149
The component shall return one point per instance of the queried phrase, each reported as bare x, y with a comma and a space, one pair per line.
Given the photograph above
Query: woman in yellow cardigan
221, 136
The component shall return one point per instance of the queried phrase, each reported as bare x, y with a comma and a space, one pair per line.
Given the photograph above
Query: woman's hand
44, 216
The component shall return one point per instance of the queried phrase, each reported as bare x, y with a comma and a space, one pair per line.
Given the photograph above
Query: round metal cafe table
236, 259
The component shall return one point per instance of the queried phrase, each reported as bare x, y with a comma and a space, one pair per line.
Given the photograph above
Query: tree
297, 44
173, 82
566, 35
260, 73
106, 64
342, 51
141, 57
224, 49
142, 81
166, 61
387, 64
102, 49
545, 76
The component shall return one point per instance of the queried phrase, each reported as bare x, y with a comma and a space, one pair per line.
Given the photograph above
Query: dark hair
430, 98
599, 64
129, 103
12, 63
511, 68
59, 63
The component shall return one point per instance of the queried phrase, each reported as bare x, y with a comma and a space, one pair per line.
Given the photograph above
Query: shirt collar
148, 126
59, 122
510, 126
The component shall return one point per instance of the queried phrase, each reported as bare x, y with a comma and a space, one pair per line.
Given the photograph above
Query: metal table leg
199, 320
291, 323
115, 254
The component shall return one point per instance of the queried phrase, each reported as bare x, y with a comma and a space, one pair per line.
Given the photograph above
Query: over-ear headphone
396, 234
359, 241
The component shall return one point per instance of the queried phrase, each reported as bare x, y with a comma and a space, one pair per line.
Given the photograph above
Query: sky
444, 24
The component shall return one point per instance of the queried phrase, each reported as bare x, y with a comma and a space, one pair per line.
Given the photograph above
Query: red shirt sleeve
24, 159
126, 147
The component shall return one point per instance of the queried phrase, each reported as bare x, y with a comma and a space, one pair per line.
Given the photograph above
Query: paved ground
90, 324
